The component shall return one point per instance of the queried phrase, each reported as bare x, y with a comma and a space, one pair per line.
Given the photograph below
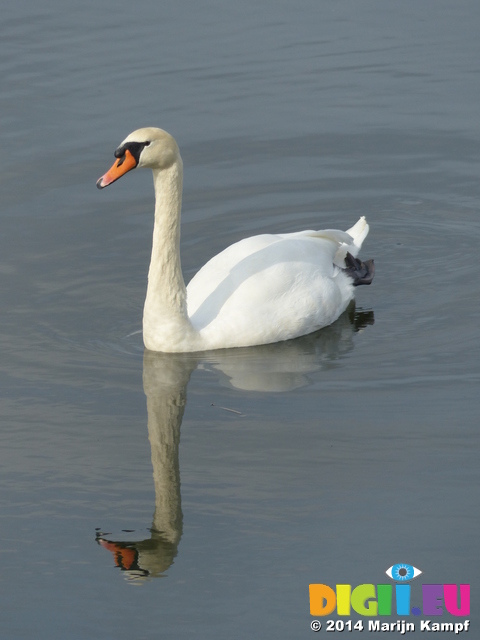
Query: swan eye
134, 148
146, 143
403, 572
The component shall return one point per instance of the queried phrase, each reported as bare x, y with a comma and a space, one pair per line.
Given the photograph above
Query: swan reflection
270, 368
284, 366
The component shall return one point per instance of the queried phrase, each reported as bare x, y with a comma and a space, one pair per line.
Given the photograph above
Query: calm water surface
326, 459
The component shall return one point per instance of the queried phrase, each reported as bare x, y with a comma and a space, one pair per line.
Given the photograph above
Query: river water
151, 496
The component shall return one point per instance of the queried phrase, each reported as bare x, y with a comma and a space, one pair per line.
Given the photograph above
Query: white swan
260, 290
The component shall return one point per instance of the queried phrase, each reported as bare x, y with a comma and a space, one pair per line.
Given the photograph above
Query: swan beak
126, 163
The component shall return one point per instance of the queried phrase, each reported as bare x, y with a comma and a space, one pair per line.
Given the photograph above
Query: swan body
263, 289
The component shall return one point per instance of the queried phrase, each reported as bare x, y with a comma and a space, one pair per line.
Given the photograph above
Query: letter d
322, 599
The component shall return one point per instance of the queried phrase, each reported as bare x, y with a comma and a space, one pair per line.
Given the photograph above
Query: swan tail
357, 235
360, 272
358, 232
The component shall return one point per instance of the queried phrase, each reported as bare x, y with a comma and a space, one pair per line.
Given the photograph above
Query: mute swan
263, 289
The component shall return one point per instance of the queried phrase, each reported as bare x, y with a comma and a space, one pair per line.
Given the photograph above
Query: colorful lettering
432, 595
450, 595
363, 601
402, 595
343, 599
384, 597
368, 600
322, 599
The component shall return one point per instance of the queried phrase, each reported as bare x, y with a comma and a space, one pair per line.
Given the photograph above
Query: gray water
323, 460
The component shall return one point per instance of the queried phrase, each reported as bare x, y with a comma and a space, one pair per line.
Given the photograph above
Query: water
324, 460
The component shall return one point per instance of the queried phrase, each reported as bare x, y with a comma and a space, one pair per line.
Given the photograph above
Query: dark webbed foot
360, 272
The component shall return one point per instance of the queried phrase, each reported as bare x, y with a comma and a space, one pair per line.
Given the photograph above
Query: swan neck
165, 273
166, 302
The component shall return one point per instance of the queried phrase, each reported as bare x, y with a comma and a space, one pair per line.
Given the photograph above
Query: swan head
148, 147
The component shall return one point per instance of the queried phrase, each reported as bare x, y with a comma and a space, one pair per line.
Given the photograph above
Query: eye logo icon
403, 572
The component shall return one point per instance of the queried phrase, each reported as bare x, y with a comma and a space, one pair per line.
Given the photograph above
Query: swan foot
360, 272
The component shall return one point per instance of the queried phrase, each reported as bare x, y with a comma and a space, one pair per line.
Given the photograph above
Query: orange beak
125, 557
120, 167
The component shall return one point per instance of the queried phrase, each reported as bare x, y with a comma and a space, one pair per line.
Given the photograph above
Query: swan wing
269, 288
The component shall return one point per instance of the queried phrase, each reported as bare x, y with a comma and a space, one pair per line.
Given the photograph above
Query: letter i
384, 597
402, 594
343, 599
